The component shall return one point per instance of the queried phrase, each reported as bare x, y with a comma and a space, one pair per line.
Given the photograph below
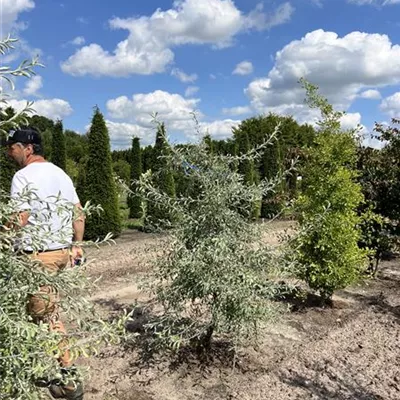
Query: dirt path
351, 351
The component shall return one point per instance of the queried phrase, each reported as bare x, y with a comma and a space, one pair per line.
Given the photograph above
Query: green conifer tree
100, 187
163, 178
134, 200
58, 148
81, 181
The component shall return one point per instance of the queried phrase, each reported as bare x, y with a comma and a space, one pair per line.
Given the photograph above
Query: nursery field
348, 351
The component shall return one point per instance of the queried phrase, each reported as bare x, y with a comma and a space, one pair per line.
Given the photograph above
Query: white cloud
125, 61
173, 109
374, 2
391, 105
33, 85
371, 94
243, 68
259, 20
78, 41
236, 110
317, 3
342, 67
50, 108
183, 77
148, 48
10, 24
351, 121
10, 10
219, 129
191, 90
121, 134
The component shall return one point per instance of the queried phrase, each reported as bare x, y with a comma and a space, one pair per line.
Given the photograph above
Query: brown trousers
43, 306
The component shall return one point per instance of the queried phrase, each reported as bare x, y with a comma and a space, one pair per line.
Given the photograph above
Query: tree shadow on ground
300, 299
378, 302
153, 352
325, 384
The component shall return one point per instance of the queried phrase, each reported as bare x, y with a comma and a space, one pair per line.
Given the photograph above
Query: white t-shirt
48, 193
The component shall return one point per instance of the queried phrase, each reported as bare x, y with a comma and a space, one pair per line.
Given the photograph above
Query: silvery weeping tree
214, 274
28, 350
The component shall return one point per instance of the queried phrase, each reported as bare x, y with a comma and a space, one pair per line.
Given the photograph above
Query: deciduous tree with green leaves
380, 181
293, 139
327, 252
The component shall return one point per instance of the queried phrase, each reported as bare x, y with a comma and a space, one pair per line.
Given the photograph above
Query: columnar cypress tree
134, 200
163, 177
58, 148
47, 139
81, 181
147, 158
100, 184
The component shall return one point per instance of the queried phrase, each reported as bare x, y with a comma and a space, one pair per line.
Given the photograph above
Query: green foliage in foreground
28, 351
212, 274
328, 251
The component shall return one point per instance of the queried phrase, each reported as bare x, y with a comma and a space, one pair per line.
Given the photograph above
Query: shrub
212, 273
327, 251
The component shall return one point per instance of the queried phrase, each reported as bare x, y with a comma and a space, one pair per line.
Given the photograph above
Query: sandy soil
350, 351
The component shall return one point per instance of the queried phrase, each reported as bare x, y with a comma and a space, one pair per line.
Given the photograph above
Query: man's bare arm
18, 220
78, 223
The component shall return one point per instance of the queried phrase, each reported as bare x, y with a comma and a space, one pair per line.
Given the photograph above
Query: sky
214, 61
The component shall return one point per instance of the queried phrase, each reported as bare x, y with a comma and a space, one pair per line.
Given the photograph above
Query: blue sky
226, 60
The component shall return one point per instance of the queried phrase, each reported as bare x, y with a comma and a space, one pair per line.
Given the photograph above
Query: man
57, 228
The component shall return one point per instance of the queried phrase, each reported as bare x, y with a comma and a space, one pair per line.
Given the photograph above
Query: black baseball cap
25, 136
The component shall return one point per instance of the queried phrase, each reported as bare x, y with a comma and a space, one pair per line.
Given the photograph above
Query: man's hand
75, 254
